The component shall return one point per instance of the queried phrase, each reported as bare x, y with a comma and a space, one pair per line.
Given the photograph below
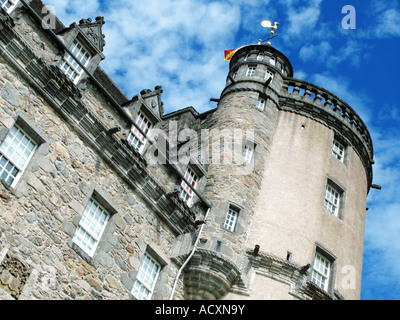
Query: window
230, 220
332, 199
272, 61
247, 57
247, 153
69, 64
260, 57
268, 75
146, 278
251, 71
234, 75
91, 227
338, 150
321, 271
135, 138
185, 192
15, 153
261, 104
8, 5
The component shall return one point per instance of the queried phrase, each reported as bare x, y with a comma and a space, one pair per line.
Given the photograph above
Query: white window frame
146, 278
321, 272
135, 138
231, 219
91, 228
332, 199
185, 192
269, 74
69, 64
7, 156
247, 154
11, 3
260, 57
338, 150
251, 71
261, 104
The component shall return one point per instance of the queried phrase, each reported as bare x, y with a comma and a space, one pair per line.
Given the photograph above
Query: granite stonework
82, 131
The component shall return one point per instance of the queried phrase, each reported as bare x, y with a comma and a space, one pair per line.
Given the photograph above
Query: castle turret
289, 191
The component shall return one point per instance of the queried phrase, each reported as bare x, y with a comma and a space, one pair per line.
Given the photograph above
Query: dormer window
260, 57
8, 5
69, 65
135, 138
185, 192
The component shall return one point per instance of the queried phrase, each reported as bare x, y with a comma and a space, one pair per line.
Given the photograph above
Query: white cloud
302, 19
315, 52
389, 24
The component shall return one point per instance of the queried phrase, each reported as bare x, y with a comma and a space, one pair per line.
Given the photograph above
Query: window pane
15, 152
230, 220
146, 278
91, 226
185, 192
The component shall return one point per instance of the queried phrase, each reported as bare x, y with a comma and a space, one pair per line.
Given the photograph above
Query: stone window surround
346, 147
202, 175
100, 196
331, 182
229, 217
133, 132
41, 140
68, 40
155, 253
332, 258
239, 217
253, 144
65, 64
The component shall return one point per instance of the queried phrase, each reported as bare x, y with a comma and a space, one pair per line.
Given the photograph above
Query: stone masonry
92, 147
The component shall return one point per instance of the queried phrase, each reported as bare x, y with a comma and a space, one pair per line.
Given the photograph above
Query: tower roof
264, 48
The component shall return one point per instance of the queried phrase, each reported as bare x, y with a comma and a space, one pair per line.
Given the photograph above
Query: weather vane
268, 24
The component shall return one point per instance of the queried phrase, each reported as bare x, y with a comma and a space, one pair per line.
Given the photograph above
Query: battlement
310, 100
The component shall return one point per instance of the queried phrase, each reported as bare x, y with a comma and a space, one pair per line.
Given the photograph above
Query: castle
107, 197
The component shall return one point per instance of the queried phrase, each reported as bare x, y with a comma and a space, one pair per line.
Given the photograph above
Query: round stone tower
288, 191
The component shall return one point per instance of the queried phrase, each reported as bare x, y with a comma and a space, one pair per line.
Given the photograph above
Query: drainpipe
189, 257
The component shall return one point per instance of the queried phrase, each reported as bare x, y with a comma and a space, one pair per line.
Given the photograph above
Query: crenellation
268, 194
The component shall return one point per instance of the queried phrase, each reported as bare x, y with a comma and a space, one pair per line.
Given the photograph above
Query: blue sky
180, 45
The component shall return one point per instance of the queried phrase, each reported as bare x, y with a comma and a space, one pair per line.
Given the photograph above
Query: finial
268, 24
